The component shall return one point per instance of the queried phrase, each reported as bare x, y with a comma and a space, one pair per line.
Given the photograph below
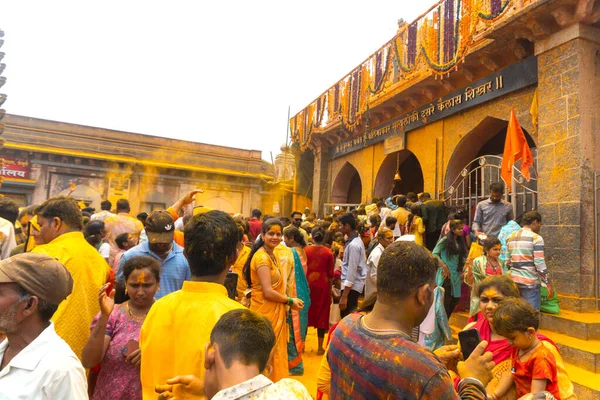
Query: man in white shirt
35, 362
7, 238
9, 211
385, 237
233, 367
105, 206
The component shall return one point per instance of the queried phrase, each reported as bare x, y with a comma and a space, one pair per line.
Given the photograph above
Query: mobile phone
131, 346
231, 284
469, 340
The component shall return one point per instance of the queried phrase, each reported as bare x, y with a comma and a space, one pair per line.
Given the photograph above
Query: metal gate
473, 185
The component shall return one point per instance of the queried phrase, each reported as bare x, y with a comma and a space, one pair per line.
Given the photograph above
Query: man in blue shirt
354, 265
160, 229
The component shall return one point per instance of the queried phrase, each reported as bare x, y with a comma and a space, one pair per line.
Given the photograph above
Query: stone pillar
320, 179
569, 126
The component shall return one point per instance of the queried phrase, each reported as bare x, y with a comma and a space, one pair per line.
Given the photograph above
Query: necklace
272, 257
530, 350
362, 320
494, 267
133, 317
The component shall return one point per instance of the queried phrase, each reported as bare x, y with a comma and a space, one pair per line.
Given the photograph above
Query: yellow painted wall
422, 142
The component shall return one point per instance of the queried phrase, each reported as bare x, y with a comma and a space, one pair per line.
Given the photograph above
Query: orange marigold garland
436, 42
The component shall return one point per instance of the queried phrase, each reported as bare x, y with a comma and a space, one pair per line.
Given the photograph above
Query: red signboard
15, 168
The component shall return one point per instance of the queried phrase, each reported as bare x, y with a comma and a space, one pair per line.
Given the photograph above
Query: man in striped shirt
525, 258
373, 356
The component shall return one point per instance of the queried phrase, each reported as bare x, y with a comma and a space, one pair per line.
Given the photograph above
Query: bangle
290, 301
472, 381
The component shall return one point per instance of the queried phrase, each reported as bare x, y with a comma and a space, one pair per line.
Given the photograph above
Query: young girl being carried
537, 366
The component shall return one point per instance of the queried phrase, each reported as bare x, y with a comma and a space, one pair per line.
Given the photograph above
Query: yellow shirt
176, 331
90, 271
401, 214
238, 268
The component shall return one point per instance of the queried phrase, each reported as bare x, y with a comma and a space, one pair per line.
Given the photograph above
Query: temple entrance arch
347, 187
475, 164
410, 172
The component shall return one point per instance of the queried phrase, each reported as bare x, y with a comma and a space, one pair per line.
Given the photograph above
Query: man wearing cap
59, 220
160, 229
35, 362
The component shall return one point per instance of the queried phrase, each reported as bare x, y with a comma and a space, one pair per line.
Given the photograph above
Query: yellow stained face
489, 301
141, 286
273, 236
141, 278
387, 239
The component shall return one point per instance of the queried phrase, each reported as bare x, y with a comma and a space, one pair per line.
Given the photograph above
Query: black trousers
431, 239
352, 302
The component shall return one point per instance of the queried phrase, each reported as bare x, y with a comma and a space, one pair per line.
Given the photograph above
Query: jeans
531, 294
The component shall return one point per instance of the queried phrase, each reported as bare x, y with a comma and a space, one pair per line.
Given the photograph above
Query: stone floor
311, 362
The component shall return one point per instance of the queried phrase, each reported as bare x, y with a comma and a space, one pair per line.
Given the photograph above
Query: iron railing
472, 186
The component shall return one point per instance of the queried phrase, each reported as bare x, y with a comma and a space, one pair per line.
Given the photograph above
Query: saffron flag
534, 109
515, 148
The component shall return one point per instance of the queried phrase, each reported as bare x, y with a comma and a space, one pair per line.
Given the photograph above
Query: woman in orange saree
267, 272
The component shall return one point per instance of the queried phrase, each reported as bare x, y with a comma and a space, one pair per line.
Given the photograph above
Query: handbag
475, 251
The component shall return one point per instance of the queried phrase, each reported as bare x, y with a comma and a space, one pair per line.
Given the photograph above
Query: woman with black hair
95, 234
451, 251
415, 225
320, 278
297, 320
268, 274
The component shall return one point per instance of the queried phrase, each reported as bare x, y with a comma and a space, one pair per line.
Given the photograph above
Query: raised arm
98, 342
184, 201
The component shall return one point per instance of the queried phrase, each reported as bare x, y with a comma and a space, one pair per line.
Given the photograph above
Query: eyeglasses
297, 219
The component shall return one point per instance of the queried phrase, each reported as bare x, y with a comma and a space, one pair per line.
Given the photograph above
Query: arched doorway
475, 164
487, 138
347, 187
410, 172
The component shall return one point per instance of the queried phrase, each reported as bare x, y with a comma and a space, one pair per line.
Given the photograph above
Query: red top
319, 271
541, 365
255, 228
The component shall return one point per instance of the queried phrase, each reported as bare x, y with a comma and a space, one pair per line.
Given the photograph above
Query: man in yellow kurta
177, 329
60, 222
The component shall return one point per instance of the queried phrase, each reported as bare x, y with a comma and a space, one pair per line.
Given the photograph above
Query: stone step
459, 319
585, 326
586, 383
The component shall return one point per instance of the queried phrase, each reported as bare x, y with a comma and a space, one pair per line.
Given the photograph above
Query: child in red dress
536, 364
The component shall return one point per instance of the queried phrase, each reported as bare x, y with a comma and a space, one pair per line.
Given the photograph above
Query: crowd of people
178, 304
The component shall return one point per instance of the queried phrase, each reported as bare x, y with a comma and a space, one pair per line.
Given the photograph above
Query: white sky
218, 72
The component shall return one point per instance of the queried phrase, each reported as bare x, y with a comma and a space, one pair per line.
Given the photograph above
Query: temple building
433, 104
46, 158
